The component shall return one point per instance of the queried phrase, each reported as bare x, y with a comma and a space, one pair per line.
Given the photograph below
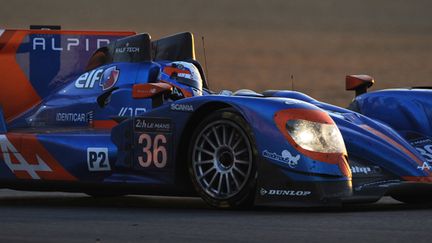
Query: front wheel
222, 160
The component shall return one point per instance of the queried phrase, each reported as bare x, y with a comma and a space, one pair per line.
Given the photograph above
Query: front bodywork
383, 160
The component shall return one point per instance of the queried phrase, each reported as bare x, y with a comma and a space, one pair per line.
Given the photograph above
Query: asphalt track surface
63, 217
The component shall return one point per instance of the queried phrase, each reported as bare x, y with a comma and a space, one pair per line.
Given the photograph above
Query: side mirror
359, 83
149, 90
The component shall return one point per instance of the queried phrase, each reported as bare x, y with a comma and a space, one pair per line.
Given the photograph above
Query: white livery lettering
182, 107
424, 166
360, 170
87, 80
129, 111
273, 192
426, 152
55, 44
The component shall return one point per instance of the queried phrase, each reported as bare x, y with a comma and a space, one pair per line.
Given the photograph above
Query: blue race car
138, 118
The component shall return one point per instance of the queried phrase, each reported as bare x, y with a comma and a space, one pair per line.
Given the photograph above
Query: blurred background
259, 45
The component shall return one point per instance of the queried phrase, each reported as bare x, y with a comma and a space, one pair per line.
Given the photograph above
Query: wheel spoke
241, 151
209, 142
207, 172
210, 161
220, 184
212, 180
239, 171
236, 144
223, 135
238, 161
205, 151
227, 184
234, 179
216, 136
231, 137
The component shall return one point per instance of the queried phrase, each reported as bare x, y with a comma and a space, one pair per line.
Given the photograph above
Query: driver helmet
183, 73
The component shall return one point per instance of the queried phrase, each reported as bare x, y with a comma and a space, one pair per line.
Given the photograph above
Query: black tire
222, 160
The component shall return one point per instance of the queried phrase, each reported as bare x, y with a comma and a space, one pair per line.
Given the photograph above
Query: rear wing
35, 62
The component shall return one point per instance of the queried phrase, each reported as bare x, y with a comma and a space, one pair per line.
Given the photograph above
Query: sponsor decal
106, 78
421, 142
97, 159
129, 111
109, 78
152, 124
182, 107
285, 157
21, 164
69, 44
426, 152
176, 91
360, 170
127, 48
75, 117
33, 162
276, 192
424, 166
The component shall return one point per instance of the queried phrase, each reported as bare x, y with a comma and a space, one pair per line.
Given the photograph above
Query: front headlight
316, 136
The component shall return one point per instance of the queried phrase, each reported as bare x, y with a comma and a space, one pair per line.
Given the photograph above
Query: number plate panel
153, 144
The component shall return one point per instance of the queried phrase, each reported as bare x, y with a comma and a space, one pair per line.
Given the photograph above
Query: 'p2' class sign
153, 143
97, 159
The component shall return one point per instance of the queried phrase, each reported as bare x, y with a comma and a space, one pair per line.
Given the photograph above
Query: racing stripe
393, 142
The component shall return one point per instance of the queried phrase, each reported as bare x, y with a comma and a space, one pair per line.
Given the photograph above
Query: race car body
138, 118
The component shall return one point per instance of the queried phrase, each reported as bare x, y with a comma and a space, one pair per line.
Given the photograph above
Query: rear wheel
222, 160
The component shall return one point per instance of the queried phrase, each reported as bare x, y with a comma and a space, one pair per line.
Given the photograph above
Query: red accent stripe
104, 124
394, 143
418, 178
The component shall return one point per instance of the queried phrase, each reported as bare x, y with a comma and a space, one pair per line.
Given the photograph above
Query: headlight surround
316, 136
